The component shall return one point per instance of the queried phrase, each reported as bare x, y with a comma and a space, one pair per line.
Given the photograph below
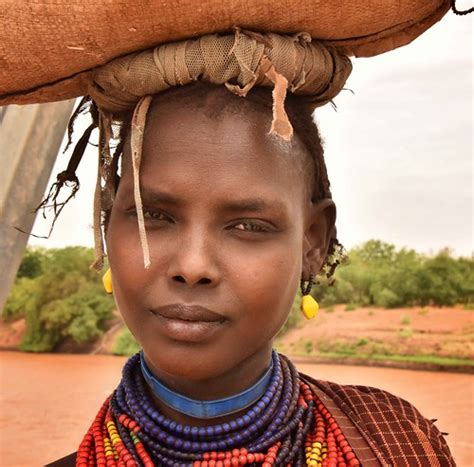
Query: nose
193, 262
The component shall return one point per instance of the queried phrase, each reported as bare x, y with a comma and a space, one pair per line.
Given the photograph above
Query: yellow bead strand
114, 436
316, 453
108, 449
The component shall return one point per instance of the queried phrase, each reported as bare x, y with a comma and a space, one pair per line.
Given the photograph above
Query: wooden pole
30, 138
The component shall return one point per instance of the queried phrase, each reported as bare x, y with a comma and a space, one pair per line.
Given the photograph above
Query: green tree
66, 300
31, 263
30, 267
376, 273
443, 280
375, 252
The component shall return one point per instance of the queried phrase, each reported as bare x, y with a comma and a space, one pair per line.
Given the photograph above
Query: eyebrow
253, 205
153, 197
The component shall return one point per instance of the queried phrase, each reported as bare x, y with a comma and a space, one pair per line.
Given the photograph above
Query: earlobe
320, 228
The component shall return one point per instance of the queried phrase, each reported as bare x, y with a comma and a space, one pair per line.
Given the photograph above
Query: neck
234, 381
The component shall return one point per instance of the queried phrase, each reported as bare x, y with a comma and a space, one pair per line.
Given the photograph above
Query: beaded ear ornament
107, 281
309, 306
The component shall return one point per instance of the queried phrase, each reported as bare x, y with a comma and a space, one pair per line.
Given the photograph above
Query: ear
319, 229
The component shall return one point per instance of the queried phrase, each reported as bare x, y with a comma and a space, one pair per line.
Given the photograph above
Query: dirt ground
48, 401
11, 334
444, 332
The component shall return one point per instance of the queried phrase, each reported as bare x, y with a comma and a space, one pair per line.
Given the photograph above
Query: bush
32, 263
125, 344
19, 299
385, 298
65, 299
446, 281
406, 332
405, 320
308, 347
377, 274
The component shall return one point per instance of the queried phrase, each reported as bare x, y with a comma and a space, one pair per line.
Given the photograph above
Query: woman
232, 219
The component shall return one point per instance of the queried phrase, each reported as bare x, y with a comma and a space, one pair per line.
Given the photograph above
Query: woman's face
226, 211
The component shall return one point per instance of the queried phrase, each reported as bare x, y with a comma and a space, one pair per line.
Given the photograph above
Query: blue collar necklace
208, 409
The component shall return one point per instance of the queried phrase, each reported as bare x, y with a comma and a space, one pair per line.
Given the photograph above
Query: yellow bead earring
107, 281
309, 306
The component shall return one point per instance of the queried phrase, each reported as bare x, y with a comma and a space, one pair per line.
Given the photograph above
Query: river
48, 401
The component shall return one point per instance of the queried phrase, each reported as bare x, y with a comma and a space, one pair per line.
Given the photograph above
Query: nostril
202, 281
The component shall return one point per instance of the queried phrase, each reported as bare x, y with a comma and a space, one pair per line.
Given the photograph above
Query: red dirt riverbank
441, 332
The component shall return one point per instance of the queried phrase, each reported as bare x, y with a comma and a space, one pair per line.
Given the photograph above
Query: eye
155, 216
152, 215
252, 226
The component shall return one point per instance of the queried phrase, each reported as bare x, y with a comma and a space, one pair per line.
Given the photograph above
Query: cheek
126, 261
267, 282
125, 252
122, 248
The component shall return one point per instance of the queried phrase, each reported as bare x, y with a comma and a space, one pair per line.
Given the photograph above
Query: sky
398, 150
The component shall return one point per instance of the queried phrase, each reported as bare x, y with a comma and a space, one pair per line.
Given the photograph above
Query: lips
188, 313
188, 323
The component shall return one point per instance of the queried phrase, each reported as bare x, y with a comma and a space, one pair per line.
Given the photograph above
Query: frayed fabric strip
138, 128
281, 125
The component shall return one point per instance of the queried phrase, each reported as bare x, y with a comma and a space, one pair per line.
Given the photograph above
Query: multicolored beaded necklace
287, 426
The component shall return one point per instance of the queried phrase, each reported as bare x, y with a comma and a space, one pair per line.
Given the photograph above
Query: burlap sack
48, 47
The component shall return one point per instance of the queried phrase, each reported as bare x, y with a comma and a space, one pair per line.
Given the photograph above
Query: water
48, 401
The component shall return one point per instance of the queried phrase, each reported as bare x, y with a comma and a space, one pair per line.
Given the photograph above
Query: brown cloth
382, 429
49, 47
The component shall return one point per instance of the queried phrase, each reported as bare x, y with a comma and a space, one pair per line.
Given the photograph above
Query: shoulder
390, 423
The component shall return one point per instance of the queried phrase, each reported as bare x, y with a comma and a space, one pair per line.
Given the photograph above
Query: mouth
188, 323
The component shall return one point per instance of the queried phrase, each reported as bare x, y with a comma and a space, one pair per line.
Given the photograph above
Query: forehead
202, 144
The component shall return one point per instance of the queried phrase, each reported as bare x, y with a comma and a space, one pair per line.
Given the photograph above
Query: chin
187, 361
